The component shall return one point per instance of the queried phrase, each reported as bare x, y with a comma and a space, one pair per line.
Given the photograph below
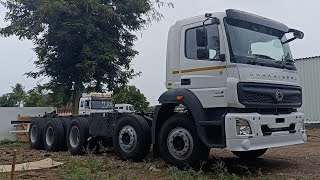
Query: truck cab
235, 74
95, 103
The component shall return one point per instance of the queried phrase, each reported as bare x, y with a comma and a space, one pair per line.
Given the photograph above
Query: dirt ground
291, 162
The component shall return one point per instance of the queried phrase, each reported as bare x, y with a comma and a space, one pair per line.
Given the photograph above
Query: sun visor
244, 16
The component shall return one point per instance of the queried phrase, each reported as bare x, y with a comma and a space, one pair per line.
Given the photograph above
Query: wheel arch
169, 101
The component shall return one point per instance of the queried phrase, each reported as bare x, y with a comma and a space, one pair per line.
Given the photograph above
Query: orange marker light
179, 98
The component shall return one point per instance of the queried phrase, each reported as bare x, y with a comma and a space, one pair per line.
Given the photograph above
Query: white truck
124, 108
95, 103
101, 103
234, 74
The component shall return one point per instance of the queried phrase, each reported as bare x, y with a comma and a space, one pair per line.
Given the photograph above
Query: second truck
234, 74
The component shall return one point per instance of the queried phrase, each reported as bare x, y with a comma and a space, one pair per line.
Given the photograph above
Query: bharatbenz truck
234, 74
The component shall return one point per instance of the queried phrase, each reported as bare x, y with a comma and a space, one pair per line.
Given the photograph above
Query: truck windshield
252, 42
101, 104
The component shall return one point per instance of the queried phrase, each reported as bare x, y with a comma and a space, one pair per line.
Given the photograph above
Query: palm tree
18, 93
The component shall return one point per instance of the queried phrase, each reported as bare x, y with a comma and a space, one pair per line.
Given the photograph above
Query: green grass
218, 171
8, 142
221, 172
174, 173
90, 168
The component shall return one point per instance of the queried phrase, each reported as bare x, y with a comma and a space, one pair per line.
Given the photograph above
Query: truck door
81, 107
205, 77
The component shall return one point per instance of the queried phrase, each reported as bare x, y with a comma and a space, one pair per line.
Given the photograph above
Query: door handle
185, 81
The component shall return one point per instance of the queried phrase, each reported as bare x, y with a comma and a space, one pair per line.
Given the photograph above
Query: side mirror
203, 54
298, 34
202, 37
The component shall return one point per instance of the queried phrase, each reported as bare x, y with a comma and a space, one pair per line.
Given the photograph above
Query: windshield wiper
253, 61
284, 63
263, 56
255, 58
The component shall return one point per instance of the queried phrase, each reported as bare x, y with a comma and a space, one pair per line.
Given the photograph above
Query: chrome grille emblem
279, 95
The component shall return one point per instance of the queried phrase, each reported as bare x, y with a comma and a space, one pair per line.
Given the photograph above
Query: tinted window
213, 42
101, 105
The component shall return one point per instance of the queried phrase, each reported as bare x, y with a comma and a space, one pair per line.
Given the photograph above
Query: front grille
257, 98
259, 95
292, 99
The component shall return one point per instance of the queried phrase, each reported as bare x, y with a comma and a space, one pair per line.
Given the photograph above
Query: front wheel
179, 144
253, 154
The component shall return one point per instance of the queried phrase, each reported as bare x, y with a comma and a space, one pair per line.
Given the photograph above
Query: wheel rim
74, 136
49, 136
33, 133
180, 143
127, 138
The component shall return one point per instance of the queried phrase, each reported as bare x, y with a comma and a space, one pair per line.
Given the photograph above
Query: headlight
243, 127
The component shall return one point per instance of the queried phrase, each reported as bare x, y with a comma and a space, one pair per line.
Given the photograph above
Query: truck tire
65, 122
53, 136
77, 136
132, 138
179, 144
254, 154
36, 133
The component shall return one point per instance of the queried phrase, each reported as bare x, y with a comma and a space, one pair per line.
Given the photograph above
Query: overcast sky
17, 56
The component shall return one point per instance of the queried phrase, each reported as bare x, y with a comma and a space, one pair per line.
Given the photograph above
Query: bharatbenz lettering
231, 82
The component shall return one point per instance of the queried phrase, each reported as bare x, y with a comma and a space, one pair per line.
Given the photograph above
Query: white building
309, 73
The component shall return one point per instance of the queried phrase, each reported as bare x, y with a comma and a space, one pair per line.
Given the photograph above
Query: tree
81, 41
18, 94
15, 98
6, 100
131, 95
36, 97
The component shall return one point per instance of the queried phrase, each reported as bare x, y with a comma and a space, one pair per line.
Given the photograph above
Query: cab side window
191, 47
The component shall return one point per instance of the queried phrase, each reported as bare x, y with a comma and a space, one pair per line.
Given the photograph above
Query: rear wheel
53, 138
65, 122
179, 144
36, 133
132, 138
254, 154
77, 136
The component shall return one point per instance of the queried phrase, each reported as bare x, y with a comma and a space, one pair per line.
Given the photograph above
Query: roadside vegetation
97, 167
93, 166
8, 142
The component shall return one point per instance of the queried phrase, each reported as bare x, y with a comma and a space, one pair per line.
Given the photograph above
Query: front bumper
276, 135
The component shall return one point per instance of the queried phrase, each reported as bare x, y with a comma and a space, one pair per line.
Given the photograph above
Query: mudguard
209, 121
